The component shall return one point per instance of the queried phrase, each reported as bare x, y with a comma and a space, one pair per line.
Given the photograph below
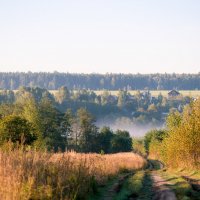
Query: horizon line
97, 73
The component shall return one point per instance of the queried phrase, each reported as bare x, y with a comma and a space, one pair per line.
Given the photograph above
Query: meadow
42, 175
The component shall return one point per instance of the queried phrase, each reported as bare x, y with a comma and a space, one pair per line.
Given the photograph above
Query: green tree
51, 123
6, 109
67, 127
88, 132
153, 135
30, 111
16, 129
121, 142
138, 146
104, 139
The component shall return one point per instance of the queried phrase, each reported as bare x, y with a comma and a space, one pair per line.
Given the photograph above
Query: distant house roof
173, 93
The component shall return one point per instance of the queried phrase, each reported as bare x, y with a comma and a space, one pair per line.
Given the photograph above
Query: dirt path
153, 187
161, 191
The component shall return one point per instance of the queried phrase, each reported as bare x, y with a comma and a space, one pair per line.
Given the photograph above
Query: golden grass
39, 175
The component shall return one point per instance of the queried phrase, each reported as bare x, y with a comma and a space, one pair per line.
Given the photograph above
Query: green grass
132, 186
103, 190
147, 187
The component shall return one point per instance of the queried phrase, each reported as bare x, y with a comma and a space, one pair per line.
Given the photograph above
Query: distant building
173, 93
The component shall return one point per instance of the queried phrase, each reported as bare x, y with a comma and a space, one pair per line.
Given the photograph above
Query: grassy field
40, 175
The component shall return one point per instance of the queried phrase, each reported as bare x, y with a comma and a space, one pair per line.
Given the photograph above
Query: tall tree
121, 142
104, 139
88, 131
51, 123
67, 127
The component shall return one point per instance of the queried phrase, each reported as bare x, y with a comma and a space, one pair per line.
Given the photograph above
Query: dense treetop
53, 81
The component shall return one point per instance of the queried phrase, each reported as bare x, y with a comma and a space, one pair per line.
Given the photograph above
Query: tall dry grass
39, 175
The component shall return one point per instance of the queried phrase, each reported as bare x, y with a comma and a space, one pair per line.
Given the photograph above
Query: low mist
124, 123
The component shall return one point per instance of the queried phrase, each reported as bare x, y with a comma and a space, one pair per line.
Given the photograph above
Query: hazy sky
119, 36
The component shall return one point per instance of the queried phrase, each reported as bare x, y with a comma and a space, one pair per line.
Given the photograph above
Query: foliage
57, 128
54, 130
183, 141
153, 136
104, 138
138, 146
121, 142
51, 123
17, 130
179, 144
87, 131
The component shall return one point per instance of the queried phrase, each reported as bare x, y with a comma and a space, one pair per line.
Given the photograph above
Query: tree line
53, 81
141, 107
40, 125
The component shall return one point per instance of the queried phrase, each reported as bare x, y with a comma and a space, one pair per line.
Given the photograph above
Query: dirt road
160, 188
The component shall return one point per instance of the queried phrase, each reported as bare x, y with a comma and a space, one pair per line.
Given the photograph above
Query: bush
17, 130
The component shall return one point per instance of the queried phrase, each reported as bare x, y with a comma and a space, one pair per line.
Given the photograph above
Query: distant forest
53, 81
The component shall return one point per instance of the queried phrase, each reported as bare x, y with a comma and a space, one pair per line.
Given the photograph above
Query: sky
100, 36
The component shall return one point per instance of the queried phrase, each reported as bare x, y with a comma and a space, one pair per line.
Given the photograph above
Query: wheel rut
160, 188
116, 187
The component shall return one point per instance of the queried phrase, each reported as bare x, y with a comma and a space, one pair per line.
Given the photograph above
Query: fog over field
124, 123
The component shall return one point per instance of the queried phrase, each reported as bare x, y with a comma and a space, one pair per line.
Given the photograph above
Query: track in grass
152, 183
153, 186
146, 185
